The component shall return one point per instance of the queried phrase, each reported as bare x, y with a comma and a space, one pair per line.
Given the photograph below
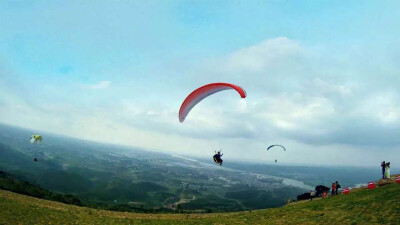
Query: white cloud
262, 56
99, 85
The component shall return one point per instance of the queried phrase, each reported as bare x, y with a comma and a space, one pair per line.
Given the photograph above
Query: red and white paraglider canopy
200, 93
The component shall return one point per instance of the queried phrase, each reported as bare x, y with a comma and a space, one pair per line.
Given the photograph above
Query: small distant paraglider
203, 92
284, 149
35, 139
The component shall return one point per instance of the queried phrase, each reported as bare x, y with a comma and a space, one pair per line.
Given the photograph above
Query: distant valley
119, 176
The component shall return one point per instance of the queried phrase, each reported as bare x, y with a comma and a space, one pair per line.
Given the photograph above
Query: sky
322, 77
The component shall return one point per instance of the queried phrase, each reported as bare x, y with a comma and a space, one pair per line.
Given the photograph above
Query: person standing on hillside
337, 186
387, 170
383, 165
333, 189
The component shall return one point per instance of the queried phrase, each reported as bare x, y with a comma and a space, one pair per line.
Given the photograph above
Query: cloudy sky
322, 78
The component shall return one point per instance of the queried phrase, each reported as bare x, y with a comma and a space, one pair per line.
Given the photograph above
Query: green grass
377, 206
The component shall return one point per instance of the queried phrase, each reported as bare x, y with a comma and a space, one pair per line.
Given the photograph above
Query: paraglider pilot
217, 158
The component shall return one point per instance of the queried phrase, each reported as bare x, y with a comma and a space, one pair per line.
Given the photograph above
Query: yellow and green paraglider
35, 139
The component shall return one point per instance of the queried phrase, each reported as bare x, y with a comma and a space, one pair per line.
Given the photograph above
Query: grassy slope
377, 206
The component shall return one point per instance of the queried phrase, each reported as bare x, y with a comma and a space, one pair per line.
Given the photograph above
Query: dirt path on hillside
182, 200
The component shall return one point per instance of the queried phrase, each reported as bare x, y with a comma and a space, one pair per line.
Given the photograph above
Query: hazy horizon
197, 158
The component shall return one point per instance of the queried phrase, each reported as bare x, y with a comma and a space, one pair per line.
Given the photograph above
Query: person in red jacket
333, 189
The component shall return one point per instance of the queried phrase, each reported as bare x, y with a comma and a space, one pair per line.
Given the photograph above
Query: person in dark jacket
383, 165
337, 186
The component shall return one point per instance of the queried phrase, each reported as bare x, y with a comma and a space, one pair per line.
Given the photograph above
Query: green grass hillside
377, 206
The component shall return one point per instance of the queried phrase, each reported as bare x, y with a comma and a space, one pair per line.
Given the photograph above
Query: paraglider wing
199, 94
276, 145
36, 138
